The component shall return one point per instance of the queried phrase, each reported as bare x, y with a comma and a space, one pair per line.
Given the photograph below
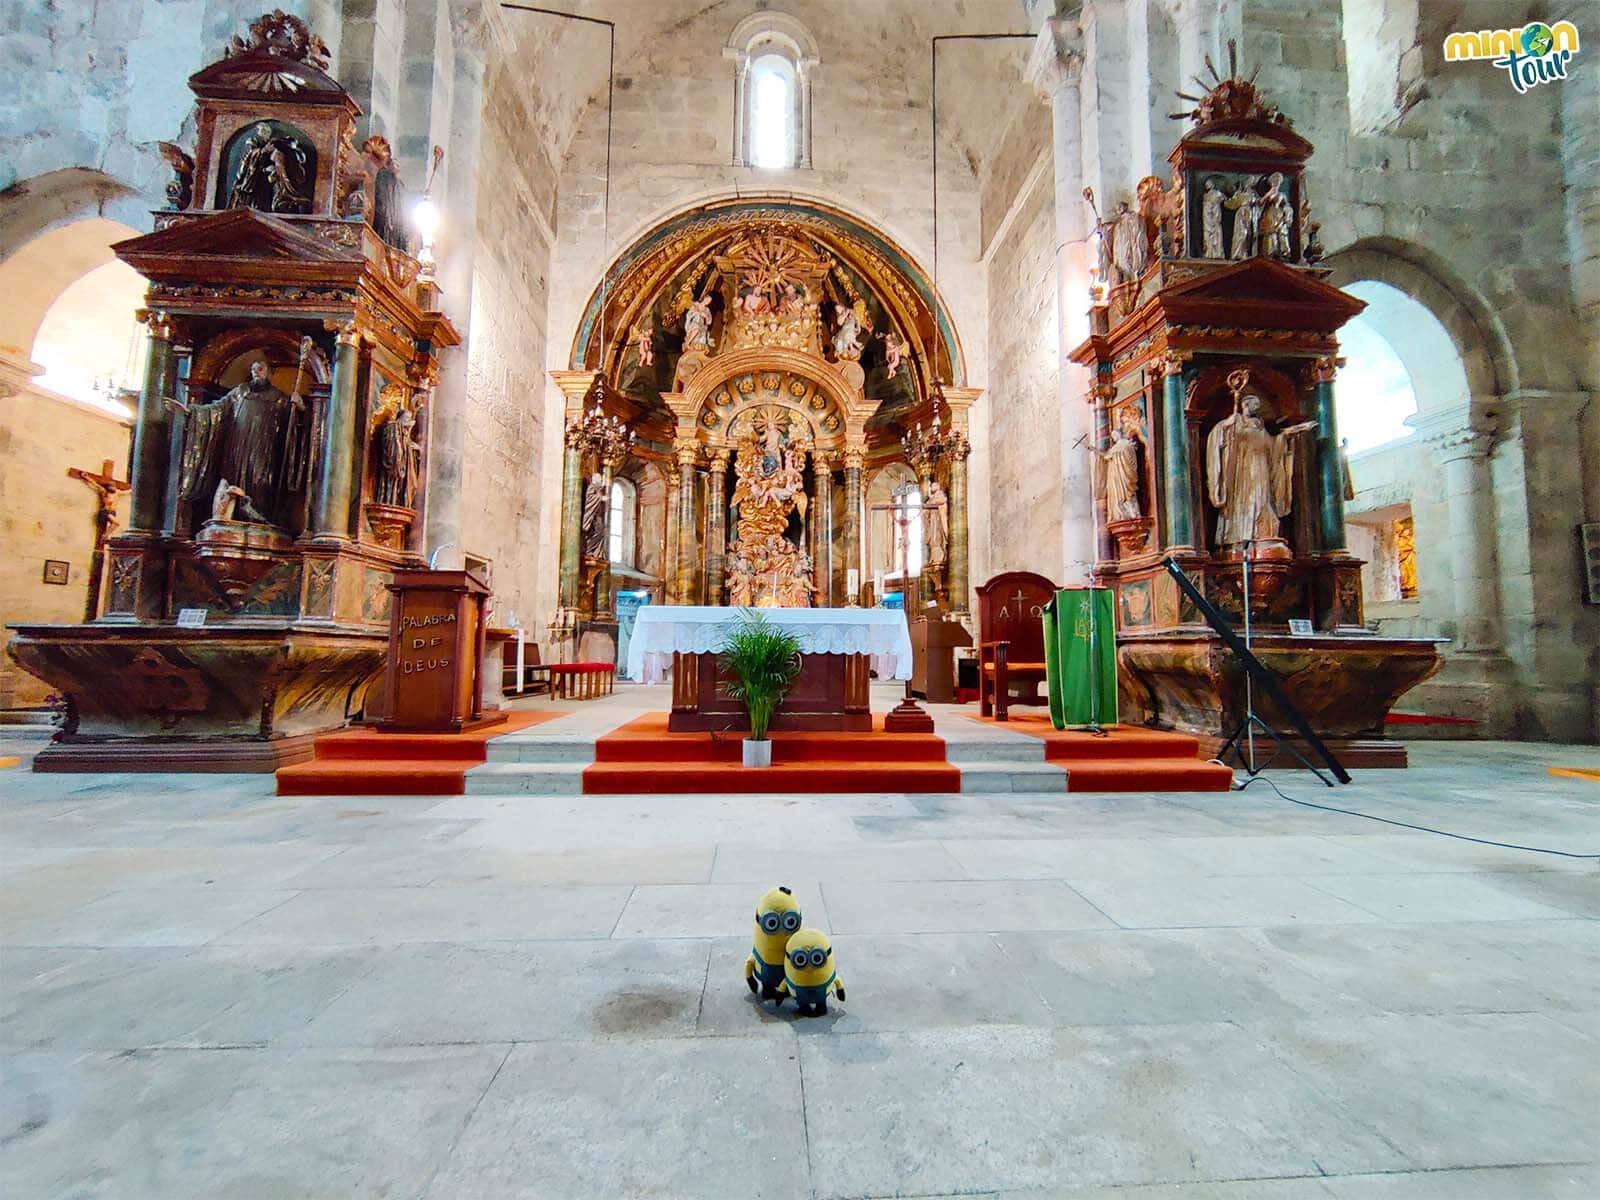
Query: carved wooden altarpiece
294, 348
1231, 316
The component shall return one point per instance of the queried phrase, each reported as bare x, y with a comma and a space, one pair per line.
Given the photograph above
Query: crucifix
907, 716
108, 487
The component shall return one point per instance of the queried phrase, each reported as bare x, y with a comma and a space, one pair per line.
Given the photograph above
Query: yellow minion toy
808, 973
777, 919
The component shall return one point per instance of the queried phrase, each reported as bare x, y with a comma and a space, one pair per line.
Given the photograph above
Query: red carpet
362, 762
1128, 759
643, 758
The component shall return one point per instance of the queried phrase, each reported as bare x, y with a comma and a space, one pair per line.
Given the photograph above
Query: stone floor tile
1456, 1090
1489, 1183
1189, 901
446, 993
1293, 855
244, 1124
1014, 1108
1434, 898
385, 916
768, 862
164, 917
683, 864
1070, 858
710, 910
959, 906
703, 1116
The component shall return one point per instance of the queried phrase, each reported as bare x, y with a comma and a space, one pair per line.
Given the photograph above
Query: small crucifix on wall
108, 487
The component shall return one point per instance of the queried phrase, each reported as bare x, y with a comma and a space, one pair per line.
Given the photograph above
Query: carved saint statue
697, 324
255, 436
1245, 205
935, 526
273, 173
388, 206
399, 458
847, 333
596, 517
1276, 220
1132, 243
1250, 473
1211, 221
1121, 457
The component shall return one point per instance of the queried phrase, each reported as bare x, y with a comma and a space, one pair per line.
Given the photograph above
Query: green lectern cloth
1080, 657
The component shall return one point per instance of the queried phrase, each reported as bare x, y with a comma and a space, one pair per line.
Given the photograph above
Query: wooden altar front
831, 694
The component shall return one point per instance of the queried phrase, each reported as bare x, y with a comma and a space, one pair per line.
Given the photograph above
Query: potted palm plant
759, 662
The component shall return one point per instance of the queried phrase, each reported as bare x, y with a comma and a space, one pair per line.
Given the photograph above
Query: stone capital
686, 450
1173, 361
1456, 433
1056, 61
574, 386
822, 461
717, 457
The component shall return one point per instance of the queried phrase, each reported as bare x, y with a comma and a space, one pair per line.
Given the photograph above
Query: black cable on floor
1350, 812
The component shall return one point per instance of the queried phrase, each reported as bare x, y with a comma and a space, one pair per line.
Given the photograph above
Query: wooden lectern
434, 677
933, 658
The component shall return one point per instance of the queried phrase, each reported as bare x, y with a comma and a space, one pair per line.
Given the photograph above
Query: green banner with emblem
1080, 657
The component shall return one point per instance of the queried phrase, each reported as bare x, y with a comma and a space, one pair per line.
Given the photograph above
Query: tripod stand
1242, 741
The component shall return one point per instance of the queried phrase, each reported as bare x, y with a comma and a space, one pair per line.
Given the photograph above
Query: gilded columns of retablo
716, 526
687, 450
855, 453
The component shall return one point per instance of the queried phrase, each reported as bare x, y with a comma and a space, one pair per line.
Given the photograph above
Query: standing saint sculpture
1246, 207
399, 459
1211, 221
935, 526
1132, 241
596, 518
1277, 218
1121, 457
1250, 472
254, 436
697, 324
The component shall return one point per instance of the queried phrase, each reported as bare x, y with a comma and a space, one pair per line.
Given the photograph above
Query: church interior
1168, 492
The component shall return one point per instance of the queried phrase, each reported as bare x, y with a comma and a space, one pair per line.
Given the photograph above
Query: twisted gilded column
957, 569
855, 453
716, 524
687, 449
822, 526
571, 516
151, 433
331, 492
1178, 519
1330, 462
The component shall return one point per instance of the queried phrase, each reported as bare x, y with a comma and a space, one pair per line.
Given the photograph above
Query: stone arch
1478, 333
35, 275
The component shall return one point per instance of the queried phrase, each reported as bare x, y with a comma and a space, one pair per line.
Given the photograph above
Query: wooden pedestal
434, 676
933, 658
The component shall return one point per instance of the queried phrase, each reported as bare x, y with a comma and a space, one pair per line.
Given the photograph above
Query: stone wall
46, 514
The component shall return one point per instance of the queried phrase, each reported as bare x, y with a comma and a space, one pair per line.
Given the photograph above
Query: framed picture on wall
56, 571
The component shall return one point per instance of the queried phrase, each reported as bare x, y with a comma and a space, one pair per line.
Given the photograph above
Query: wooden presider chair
1011, 641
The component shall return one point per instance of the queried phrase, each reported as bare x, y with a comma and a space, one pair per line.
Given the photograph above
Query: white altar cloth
663, 630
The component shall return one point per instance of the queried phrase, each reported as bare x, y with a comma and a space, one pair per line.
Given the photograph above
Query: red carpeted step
364, 762
346, 777
1147, 775
1122, 743
786, 748
813, 777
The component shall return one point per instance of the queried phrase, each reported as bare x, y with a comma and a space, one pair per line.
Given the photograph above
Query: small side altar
840, 647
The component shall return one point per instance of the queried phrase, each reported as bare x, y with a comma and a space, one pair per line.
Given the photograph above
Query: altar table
838, 647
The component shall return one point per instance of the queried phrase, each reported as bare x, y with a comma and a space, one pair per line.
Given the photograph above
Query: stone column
1330, 460
1463, 441
687, 450
330, 490
822, 526
716, 523
1178, 520
152, 431
457, 194
1056, 71
855, 453
669, 551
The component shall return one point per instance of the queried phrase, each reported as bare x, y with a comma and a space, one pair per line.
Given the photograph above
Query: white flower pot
757, 754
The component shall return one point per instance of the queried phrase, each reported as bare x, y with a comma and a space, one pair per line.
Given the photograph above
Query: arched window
1398, 357
624, 522
773, 55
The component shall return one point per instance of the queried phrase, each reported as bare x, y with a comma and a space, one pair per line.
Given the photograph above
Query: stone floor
209, 991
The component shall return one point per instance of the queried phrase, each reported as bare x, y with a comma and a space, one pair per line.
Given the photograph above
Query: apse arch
670, 243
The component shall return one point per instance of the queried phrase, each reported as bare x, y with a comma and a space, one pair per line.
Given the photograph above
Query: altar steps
1127, 759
